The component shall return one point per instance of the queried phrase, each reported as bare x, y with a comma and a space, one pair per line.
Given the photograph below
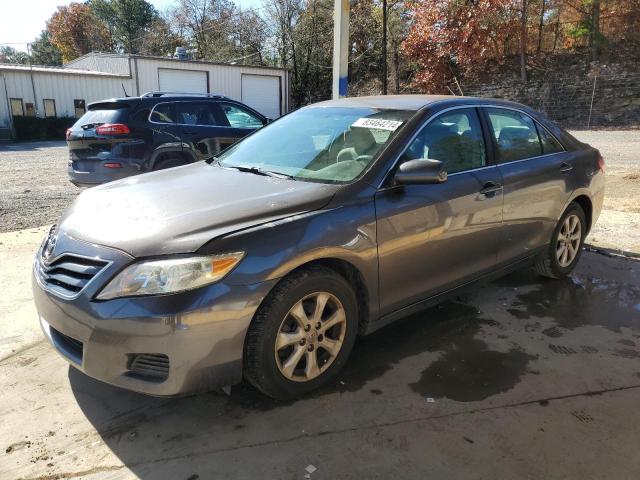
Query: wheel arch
162, 153
351, 274
587, 207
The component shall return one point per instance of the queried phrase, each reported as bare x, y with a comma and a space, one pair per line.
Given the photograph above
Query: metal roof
12, 67
171, 59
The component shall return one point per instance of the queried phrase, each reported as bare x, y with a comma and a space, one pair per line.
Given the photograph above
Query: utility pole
384, 47
340, 48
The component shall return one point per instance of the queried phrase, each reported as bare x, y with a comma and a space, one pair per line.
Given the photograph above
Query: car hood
180, 209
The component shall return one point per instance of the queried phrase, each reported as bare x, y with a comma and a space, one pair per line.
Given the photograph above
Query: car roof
411, 102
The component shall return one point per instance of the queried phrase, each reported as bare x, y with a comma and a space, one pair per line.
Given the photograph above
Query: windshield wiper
259, 171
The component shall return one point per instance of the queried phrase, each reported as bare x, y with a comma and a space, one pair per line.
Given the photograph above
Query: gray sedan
267, 262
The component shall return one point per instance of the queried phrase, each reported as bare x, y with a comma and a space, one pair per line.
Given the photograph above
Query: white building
66, 91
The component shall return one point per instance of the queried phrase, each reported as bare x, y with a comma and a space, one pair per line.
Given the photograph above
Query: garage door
173, 80
262, 93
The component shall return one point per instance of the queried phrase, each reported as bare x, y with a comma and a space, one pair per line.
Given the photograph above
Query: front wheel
565, 248
302, 334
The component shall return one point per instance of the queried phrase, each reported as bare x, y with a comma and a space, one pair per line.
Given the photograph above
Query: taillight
112, 165
68, 134
112, 129
601, 165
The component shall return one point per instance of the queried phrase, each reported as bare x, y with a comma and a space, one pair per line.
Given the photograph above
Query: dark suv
120, 137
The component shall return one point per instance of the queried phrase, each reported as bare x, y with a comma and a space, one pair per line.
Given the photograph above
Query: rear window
102, 113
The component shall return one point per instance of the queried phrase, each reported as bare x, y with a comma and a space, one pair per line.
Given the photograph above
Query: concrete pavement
529, 378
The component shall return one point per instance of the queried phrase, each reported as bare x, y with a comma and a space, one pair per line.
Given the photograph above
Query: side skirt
452, 292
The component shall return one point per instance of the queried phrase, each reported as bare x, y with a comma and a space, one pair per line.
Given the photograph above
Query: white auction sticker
391, 125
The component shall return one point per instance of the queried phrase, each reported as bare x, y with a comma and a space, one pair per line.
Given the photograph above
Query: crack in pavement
56, 476
378, 425
21, 351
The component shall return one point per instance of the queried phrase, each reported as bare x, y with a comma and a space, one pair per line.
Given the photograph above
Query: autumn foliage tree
74, 30
448, 38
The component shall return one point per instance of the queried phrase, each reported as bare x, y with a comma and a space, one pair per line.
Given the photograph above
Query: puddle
469, 372
466, 370
578, 301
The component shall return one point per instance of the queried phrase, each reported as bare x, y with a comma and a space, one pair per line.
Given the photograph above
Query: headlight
157, 277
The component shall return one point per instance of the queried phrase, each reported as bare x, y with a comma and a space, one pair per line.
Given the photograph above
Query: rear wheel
565, 248
168, 162
302, 334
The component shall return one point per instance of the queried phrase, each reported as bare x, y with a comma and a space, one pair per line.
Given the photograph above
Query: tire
551, 264
168, 162
265, 366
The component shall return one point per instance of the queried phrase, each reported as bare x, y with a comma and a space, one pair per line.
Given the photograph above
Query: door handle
565, 167
490, 187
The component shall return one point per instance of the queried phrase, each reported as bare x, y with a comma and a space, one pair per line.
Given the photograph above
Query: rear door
536, 172
204, 129
164, 137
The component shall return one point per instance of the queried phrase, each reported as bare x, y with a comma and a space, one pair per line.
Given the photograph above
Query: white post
340, 48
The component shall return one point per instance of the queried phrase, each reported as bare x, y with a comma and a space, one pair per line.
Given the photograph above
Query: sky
22, 20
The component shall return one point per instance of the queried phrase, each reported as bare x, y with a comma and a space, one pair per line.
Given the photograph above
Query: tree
126, 21
11, 55
208, 24
449, 38
523, 40
160, 39
75, 30
43, 52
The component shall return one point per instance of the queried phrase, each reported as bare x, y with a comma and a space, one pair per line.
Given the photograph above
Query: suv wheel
565, 248
168, 162
302, 334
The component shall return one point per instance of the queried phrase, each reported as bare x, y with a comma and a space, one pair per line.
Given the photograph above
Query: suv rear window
102, 113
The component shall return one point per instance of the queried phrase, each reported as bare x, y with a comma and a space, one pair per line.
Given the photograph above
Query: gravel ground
35, 189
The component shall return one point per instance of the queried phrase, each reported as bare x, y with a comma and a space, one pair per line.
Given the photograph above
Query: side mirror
421, 171
266, 121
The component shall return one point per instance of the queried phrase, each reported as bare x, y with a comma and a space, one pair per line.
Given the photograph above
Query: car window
454, 138
197, 113
515, 134
323, 144
103, 113
163, 113
240, 118
549, 142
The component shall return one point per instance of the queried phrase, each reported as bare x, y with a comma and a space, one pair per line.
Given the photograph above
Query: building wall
96, 77
223, 79
4, 111
63, 88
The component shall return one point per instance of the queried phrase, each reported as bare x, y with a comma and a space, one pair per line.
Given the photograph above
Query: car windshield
325, 144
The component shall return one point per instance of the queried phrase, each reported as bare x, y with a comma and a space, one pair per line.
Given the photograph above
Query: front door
433, 237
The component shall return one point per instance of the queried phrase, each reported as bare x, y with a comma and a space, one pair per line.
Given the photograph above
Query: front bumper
201, 332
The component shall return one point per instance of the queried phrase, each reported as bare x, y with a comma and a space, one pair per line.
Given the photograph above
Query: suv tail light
112, 129
601, 165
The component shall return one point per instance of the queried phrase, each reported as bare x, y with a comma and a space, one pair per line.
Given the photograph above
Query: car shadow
443, 343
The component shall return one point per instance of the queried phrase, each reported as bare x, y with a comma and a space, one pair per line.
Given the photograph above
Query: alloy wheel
310, 337
568, 242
